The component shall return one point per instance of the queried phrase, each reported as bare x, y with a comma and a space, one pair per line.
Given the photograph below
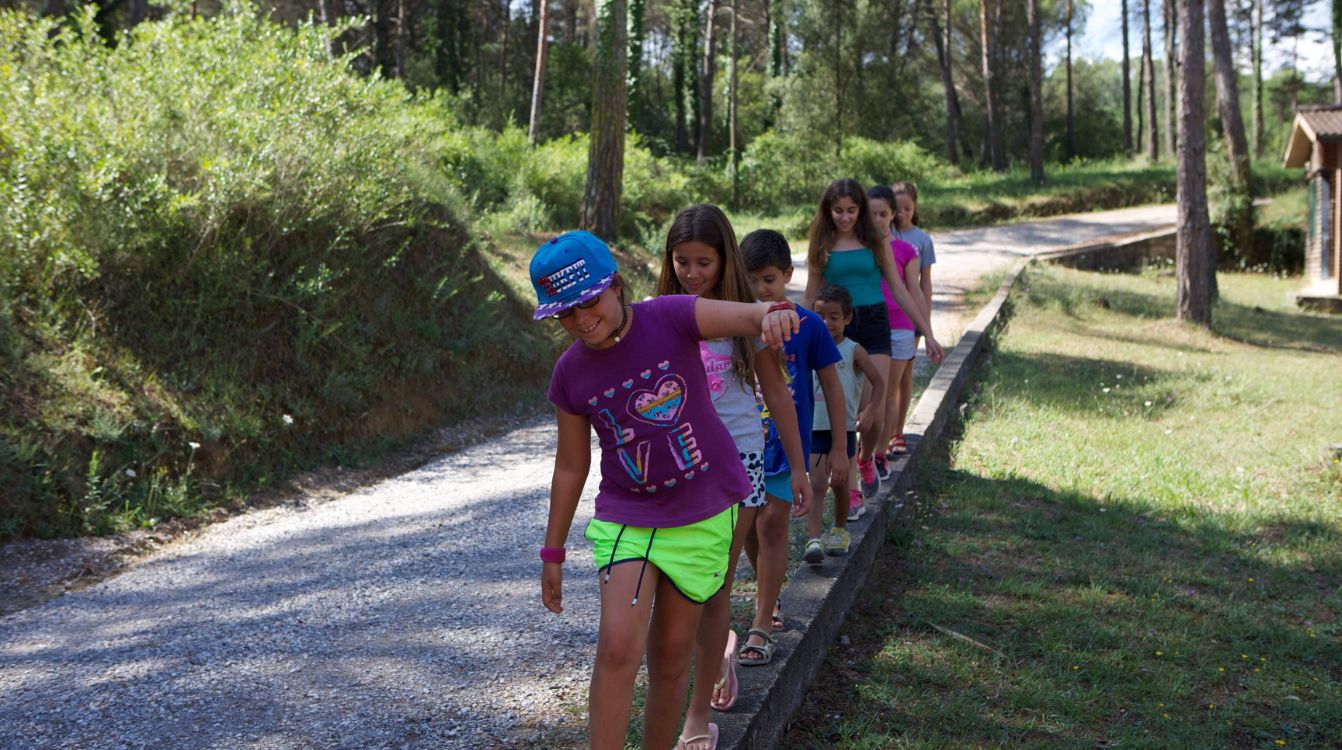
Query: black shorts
870, 328
822, 442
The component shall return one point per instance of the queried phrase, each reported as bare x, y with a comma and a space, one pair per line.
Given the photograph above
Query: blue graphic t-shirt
810, 350
666, 458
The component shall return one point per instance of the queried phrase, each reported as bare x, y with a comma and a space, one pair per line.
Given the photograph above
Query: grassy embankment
1136, 541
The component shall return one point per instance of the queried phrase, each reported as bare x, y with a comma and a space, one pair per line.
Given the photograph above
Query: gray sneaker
836, 542
815, 552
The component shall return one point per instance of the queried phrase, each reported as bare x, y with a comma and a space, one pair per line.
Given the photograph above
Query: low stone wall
1123, 254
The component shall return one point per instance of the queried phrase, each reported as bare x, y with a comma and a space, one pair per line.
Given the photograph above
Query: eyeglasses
586, 305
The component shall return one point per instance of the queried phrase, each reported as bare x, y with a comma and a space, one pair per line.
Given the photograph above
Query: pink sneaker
856, 506
871, 483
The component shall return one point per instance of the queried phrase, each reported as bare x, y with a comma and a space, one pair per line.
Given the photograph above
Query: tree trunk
637, 36
733, 154
605, 156
684, 78
1149, 71
1256, 41
706, 74
1232, 125
947, 82
503, 55
1071, 120
1193, 266
1337, 50
1127, 84
538, 82
777, 41
838, 77
1141, 106
1036, 95
1172, 62
136, 12
994, 136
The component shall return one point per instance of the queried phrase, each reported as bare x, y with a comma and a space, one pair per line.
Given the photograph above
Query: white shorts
754, 463
902, 344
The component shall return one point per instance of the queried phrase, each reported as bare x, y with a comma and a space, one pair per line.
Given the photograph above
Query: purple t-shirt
903, 252
666, 458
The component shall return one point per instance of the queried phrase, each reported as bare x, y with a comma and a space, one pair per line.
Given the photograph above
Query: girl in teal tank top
848, 249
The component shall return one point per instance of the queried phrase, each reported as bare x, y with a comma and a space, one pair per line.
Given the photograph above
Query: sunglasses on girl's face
587, 305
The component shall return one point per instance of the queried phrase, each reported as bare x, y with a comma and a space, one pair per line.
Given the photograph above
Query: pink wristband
777, 306
552, 554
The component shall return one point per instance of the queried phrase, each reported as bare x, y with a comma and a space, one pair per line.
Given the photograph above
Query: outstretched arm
573, 458
718, 319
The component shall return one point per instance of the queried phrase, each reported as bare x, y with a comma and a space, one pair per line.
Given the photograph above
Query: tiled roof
1324, 123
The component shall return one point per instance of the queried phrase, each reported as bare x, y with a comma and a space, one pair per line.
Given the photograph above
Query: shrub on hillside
782, 171
224, 255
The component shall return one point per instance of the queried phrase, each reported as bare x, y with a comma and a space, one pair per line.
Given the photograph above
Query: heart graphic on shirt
645, 374
662, 404
609, 392
592, 401
628, 384
670, 483
689, 475
651, 488
703, 466
664, 364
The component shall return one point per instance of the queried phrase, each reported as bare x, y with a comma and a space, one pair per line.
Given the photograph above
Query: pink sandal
683, 743
726, 689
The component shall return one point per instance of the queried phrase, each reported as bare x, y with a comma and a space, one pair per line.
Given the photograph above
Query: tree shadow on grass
1244, 323
1077, 384
1083, 622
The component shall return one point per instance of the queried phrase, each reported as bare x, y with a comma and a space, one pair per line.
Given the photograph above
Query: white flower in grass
131, 473
1106, 390
288, 420
1148, 403
194, 446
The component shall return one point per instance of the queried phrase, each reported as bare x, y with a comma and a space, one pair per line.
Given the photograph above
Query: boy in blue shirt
768, 259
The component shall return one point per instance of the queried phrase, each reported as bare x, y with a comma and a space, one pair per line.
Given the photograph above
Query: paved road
404, 615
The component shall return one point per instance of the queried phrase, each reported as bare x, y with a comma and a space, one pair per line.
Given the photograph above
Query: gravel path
404, 615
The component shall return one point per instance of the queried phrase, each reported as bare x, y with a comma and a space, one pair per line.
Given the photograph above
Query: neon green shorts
693, 557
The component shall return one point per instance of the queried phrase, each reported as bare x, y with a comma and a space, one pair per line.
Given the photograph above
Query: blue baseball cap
571, 268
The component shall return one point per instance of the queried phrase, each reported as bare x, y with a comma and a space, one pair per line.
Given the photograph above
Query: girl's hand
838, 465
801, 494
778, 327
866, 418
552, 580
934, 351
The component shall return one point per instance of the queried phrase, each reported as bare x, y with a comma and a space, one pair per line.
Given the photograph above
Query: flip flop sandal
727, 687
683, 743
766, 649
777, 618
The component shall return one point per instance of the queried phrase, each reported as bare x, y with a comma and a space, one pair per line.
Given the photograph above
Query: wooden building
1315, 144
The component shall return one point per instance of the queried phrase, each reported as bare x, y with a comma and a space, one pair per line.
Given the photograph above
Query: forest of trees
706, 77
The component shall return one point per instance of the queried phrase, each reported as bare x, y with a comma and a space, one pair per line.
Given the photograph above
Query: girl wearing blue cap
670, 475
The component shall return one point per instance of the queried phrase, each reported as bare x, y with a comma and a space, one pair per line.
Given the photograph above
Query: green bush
224, 255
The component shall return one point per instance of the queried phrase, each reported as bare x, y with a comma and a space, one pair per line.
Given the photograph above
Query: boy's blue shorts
779, 486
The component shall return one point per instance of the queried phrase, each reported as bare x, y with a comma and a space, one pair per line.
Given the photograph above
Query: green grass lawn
1135, 542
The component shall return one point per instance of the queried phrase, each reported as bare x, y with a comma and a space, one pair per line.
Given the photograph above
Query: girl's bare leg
675, 625
620, 643
895, 406
905, 397
771, 535
712, 638
872, 435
